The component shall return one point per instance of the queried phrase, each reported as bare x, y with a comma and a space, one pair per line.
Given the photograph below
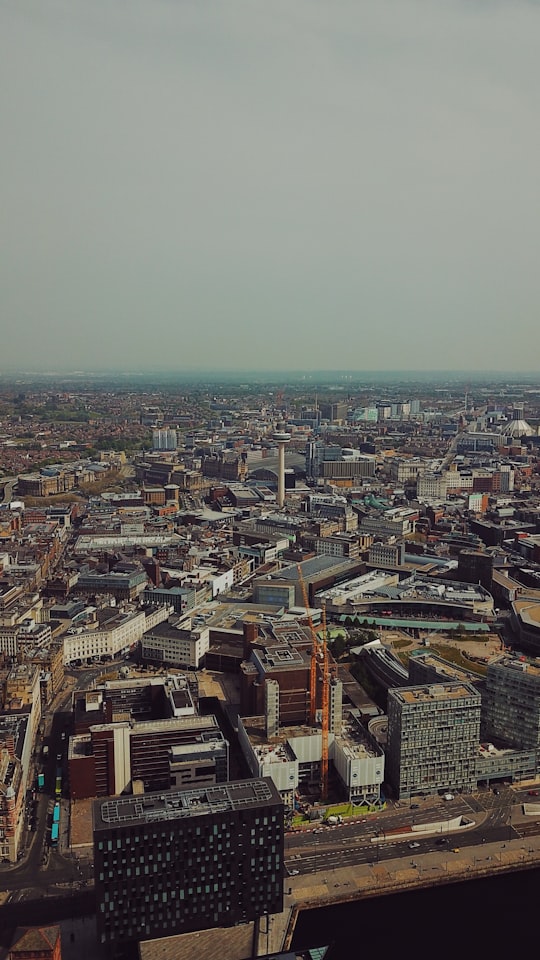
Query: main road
397, 832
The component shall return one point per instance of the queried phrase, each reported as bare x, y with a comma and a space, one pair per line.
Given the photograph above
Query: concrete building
180, 643
121, 586
383, 555
291, 756
525, 621
396, 522
163, 439
433, 738
145, 732
185, 860
511, 703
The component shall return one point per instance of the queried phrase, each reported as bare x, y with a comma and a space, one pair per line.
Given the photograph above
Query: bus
41, 781
54, 834
58, 787
56, 813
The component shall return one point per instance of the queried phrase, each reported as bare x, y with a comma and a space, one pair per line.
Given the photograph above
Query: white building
180, 644
115, 636
164, 439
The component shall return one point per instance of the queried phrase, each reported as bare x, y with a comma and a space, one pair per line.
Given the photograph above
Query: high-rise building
433, 738
333, 411
511, 703
164, 439
187, 860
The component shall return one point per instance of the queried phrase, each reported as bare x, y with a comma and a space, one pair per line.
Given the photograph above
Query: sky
269, 184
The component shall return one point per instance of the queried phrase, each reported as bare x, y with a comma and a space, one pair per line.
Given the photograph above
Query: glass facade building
187, 860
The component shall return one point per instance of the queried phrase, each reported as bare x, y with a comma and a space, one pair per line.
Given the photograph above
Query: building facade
187, 860
433, 738
511, 703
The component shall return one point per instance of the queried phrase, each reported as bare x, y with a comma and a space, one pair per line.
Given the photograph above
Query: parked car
533, 793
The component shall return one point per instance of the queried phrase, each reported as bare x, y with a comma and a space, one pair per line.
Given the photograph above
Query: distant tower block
282, 439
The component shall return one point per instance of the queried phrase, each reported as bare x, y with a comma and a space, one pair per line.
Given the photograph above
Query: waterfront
489, 915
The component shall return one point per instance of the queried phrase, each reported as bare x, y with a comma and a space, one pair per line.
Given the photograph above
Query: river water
478, 918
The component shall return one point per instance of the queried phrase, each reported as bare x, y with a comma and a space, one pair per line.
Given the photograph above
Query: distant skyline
325, 185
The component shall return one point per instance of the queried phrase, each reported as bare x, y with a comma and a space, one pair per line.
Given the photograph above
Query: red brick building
36, 943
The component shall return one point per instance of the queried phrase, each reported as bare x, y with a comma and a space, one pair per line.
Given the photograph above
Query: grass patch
456, 657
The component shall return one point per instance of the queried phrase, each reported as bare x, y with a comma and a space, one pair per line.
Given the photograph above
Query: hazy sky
336, 184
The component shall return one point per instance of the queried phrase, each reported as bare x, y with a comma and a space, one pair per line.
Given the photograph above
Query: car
440, 841
455, 849
415, 806
294, 873
532, 793
414, 845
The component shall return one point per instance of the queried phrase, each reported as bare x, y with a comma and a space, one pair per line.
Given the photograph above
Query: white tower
282, 439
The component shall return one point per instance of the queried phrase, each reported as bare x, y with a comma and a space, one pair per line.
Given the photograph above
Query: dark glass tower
190, 859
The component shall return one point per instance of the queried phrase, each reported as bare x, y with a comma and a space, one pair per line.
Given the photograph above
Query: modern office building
511, 703
186, 860
163, 439
433, 738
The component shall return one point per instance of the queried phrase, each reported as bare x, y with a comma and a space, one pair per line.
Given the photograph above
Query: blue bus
54, 834
56, 813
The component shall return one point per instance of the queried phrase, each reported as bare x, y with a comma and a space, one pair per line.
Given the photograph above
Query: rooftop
180, 804
434, 692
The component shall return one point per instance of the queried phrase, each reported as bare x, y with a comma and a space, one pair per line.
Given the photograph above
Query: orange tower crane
314, 648
325, 714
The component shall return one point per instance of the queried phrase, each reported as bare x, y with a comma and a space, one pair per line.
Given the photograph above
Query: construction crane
314, 651
325, 712
319, 658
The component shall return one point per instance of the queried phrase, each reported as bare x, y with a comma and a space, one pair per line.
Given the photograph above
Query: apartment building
433, 738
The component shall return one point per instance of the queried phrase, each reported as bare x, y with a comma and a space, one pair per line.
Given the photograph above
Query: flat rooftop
434, 692
529, 667
181, 804
528, 610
